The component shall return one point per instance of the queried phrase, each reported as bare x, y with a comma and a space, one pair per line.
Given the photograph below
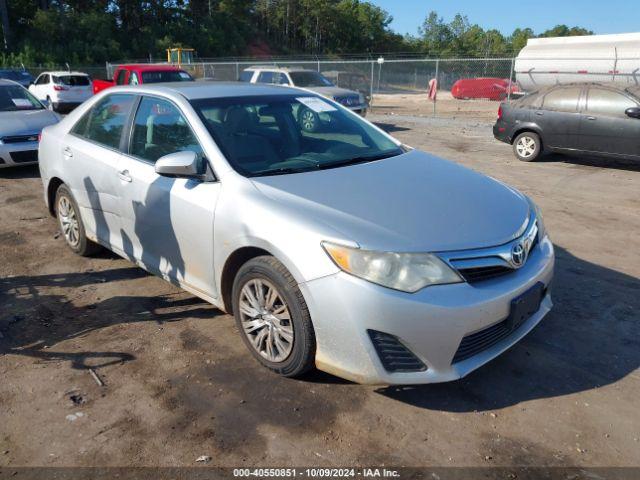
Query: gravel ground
178, 383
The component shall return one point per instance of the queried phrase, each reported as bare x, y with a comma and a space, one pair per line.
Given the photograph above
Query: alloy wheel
308, 120
68, 221
526, 147
266, 320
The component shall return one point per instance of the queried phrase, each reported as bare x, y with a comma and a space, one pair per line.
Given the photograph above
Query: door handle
540, 113
67, 152
591, 118
124, 176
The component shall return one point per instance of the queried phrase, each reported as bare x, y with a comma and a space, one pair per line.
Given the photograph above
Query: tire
527, 147
273, 349
71, 225
309, 120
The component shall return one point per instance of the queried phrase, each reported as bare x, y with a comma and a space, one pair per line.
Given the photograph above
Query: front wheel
273, 317
71, 224
309, 120
527, 146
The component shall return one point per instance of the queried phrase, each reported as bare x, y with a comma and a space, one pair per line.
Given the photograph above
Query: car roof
150, 67
5, 82
275, 68
62, 73
212, 89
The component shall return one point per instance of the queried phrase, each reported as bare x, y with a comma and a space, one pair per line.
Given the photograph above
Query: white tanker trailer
595, 58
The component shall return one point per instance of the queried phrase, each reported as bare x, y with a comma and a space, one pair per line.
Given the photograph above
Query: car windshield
13, 75
309, 79
283, 134
161, 76
72, 80
14, 97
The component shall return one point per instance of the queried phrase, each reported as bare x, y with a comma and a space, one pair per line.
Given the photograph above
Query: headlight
408, 272
542, 231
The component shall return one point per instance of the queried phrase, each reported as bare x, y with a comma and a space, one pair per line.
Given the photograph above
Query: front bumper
14, 154
430, 323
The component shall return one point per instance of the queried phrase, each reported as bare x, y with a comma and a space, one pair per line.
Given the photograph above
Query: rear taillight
59, 88
39, 137
499, 112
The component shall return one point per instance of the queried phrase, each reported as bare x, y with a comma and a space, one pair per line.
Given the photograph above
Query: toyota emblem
518, 255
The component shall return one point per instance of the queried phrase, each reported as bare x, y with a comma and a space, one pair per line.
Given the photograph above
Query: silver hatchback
339, 248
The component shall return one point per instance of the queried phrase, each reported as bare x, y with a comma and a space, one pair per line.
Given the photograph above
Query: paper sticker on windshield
21, 102
316, 104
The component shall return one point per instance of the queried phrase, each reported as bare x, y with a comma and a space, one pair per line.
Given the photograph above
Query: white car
62, 90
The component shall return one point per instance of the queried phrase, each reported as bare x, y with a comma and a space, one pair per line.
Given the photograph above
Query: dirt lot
178, 382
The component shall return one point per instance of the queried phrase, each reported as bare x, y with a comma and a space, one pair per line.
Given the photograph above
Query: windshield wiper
280, 171
357, 160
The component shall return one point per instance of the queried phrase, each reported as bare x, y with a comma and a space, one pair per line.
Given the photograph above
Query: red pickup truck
136, 74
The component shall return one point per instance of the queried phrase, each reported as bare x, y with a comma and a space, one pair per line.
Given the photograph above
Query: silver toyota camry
339, 248
22, 118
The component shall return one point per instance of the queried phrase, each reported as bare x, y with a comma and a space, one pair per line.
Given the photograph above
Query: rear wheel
527, 146
71, 224
273, 317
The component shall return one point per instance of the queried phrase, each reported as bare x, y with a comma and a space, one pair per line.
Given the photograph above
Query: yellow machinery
180, 56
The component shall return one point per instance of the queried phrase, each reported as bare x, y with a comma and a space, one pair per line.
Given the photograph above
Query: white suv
62, 90
309, 79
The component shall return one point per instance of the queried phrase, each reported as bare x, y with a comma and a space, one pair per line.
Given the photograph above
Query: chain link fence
443, 87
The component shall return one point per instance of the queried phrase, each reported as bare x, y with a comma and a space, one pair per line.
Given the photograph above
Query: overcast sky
610, 16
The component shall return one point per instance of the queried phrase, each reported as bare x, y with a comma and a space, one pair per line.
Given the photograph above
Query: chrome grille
486, 263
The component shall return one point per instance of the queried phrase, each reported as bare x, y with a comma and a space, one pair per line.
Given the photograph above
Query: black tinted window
121, 77
267, 77
104, 123
72, 80
562, 99
246, 76
166, 76
160, 129
608, 102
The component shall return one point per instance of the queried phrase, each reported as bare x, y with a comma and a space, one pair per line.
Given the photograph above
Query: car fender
525, 126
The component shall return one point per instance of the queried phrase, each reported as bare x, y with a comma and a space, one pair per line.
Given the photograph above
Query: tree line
84, 32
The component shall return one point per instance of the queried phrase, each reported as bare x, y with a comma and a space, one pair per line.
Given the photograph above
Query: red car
137, 74
485, 88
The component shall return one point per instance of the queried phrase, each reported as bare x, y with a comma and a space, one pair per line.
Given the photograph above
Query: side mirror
633, 112
179, 164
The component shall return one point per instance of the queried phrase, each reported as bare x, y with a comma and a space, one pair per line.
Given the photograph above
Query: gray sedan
340, 248
22, 118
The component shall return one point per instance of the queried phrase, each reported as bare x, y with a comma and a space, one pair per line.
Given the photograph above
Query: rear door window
159, 129
601, 101
104, 123
562, 99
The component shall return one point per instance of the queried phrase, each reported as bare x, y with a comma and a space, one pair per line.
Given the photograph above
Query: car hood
332, 91
25, 122
408, 203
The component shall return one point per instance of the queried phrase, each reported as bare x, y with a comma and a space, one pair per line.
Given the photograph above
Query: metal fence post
511, 80
372, 74
435, 100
